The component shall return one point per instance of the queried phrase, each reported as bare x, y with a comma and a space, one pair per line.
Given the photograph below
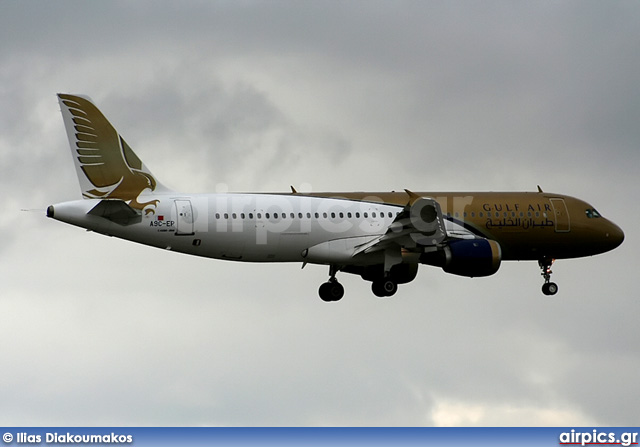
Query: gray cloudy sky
450, 95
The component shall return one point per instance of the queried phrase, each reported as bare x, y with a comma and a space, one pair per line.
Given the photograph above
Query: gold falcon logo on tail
107, 167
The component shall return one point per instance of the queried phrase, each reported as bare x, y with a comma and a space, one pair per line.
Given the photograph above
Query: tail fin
107, 168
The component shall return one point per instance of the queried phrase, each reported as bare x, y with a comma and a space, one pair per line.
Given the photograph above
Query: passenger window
349, 215
217, 215
365, 215
234, 215
341, 215
324, 215
226, 215
333, 215
299, 215
357, 215
308, 215
250, 215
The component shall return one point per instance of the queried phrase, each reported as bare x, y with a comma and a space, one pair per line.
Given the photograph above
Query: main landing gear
381, 286
331, 290
548, 288
384, 287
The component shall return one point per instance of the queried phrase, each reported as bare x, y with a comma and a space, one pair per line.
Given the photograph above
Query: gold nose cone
615, 235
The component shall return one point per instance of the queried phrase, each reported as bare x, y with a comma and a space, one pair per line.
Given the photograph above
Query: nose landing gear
548, 288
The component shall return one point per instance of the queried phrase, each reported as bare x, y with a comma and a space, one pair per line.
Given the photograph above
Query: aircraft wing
420, 224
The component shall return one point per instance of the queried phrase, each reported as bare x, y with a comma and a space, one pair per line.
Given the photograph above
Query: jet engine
466, 257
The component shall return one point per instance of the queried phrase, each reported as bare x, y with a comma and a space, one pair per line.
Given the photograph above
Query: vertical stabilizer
107, 167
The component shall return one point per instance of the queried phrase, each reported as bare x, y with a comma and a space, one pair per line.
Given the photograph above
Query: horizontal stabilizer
116, 211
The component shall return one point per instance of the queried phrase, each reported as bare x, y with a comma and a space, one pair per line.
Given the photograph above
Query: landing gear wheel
390, 287
377, 289
331, 291
325, 292
384, 287
550, 288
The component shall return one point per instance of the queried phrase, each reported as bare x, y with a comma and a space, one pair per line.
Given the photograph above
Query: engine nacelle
468, 257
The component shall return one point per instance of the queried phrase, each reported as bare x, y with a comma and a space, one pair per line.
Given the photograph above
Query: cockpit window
592, 213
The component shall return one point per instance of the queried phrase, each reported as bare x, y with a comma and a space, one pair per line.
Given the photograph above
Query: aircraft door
184, 218
561, 215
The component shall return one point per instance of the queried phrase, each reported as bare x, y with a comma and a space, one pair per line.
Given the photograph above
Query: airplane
381, 236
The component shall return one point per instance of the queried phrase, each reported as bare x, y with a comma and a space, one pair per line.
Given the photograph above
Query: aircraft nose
614, 235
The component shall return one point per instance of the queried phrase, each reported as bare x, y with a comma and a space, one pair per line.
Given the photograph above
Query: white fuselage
248, 227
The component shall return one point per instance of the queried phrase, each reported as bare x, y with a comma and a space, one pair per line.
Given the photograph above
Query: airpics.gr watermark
66, 438
596, 437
